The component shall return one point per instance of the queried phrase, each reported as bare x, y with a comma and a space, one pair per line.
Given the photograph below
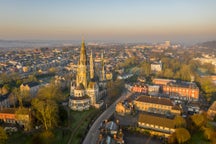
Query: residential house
31, 87
19, 116
156, 67
110, 133
123, 108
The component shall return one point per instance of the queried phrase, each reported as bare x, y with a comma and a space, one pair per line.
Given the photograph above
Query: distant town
108, 93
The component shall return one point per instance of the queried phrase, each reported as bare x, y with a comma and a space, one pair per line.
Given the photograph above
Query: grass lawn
19, 138
80, 123
198, 138
58, 136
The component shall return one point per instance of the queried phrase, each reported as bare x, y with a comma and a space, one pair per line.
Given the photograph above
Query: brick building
140, 88
162, 81
182, 90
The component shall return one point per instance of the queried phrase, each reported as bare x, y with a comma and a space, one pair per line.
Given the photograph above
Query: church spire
91, 66
81, 77
103, 76
83, 57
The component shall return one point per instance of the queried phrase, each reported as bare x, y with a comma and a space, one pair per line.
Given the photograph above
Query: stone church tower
81, 77
85, 91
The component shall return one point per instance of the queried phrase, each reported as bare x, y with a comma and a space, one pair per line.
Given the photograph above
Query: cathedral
88, 88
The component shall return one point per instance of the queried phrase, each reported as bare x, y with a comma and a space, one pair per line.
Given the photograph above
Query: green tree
12, 99
114, 89
17, 95
5, 89
185, 72
209, 67
182, 135
51, 91
46, 112
179, 121
3, 136
209, 133
168, 73
194, 65
145, 69
199, 120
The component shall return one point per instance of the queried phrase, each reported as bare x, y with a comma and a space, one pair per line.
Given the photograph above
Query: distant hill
34, 43
208, 44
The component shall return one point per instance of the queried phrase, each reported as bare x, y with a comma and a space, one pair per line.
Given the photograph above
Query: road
93, 133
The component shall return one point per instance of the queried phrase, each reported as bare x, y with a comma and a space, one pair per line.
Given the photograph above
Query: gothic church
85, 90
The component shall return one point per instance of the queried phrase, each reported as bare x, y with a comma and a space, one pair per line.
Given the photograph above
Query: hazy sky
115, 20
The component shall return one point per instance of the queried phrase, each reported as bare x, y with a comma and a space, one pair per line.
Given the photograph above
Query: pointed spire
81, 77
83, 57
91, 66
103, 77
102, 59
83, 42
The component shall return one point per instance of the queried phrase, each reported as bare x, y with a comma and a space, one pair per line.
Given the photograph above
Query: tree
179, 122
182, 135
50, 92
209, 67
114, 89
209, 133
5, 89
168, 73
30, 78
199, 120
16, 94
185, 72
3, 136
12, 99
46, 112
207, 86
145, 69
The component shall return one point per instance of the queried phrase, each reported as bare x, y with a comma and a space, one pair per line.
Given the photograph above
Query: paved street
93, 133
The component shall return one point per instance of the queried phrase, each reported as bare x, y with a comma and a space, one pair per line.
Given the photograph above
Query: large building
182, 90
85, 90
178, 89
156, 105
158, 125
162, 82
